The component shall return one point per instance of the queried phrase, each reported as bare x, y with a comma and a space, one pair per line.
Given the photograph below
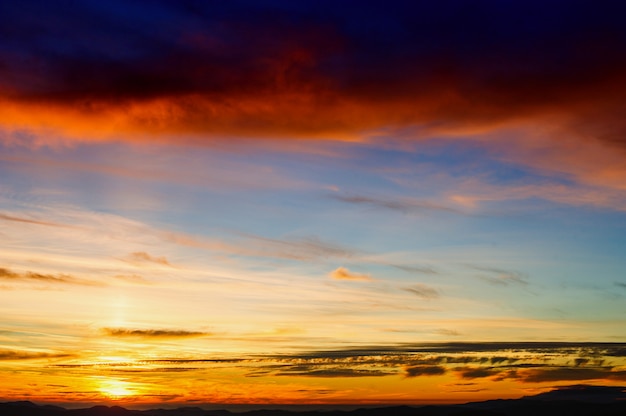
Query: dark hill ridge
580, 400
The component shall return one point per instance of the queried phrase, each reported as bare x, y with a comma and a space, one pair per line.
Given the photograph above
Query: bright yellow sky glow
115, 389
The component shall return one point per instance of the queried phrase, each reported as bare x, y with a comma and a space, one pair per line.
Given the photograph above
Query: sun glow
115, 389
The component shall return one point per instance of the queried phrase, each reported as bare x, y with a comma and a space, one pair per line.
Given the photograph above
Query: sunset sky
310, 202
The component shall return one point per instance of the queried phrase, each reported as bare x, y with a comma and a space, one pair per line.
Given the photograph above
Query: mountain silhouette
578, 400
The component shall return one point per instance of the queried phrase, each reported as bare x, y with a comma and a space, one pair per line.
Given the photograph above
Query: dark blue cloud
436, 62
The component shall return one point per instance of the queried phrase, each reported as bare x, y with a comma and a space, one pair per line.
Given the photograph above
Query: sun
115, 389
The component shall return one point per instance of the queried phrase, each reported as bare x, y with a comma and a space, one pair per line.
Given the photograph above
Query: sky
312, 202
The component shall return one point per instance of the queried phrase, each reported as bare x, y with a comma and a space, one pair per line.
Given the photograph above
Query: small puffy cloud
423, 291
152, 333
342, 273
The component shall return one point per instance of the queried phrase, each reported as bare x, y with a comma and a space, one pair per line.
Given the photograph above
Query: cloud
342, 273
457, 348
133, 278
31, 221
405, 205
570, 374
153, 333
448, 332
325, 73
620, 284
8, 275
501, 277
424, 370
143, 257
415, 269
301, 248
304, 71
306, 371
11, 355
423, 291
471, 373
525, 362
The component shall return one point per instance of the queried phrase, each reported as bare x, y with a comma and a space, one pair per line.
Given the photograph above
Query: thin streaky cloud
424, 370
415, 269
31, 221
401, 205
301, 248
143, 257
448, 332
10, 355
501, 277
9, 275
133, 278
332, 373
423, 291
566, 374
153, 333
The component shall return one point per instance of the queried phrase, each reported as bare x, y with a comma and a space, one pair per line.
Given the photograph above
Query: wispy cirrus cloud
25, 220
298, 248
423, 291
85, 223
415, 269
395, 204
501, 277
133, 278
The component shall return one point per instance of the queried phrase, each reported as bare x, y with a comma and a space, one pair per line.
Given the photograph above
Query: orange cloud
30, 221
9, 275
342, 273
143, 257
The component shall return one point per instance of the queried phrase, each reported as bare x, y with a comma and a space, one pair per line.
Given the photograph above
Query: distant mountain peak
584, 392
